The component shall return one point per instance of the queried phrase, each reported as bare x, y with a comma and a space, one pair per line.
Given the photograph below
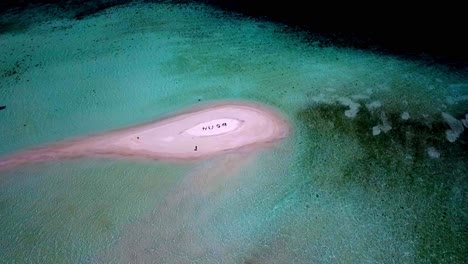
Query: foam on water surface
331, 192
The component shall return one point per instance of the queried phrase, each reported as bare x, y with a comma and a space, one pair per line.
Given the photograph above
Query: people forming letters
213, 127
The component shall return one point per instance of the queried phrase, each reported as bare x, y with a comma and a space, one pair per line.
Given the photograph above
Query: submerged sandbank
195, 133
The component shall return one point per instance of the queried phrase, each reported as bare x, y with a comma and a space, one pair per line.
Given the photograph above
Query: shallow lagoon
368, 175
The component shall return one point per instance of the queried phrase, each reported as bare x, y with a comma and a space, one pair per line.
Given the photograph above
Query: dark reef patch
14, 71
91, 8
403, 148
71, 9
12, 27
401, 182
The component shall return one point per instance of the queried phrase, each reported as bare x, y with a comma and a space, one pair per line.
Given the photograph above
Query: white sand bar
200, 132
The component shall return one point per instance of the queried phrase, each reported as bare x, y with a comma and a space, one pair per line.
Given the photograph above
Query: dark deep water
433, 32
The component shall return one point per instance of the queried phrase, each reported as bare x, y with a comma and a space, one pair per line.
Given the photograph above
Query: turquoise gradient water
330, 193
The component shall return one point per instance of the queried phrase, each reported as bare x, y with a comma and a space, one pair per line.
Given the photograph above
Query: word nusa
216, 126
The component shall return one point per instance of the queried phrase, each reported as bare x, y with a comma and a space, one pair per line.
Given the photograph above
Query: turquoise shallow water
368, 174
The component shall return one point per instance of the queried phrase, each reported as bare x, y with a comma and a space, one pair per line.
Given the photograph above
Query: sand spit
195, 133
